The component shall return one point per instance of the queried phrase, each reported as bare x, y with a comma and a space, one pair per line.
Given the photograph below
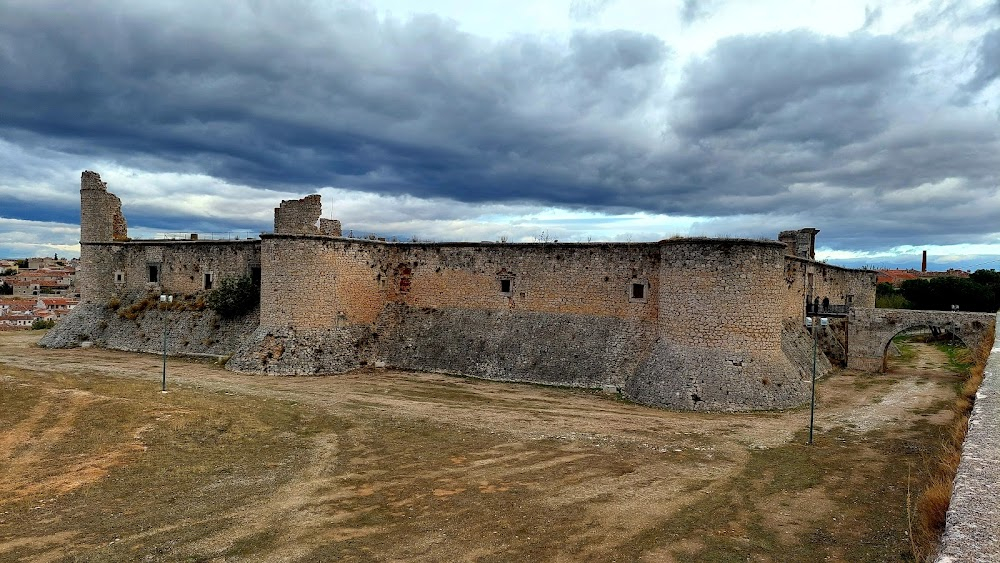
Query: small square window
505, 285
638, 291
119, 276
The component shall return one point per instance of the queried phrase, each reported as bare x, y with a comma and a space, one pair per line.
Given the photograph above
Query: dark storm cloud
294, 97
988, 65
792, 87
297, 96
829, 130
761, 112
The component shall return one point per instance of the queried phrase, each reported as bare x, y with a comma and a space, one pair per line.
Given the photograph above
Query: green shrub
42, 324
894, 301
234, 297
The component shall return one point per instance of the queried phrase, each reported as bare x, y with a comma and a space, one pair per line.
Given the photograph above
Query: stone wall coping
460, 244
168, 242
493, 244
826, 265
722, 241
972, 532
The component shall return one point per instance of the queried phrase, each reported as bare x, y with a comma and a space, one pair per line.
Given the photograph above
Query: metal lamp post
165, 299
812, 399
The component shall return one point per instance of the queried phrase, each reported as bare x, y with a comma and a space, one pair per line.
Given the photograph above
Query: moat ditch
96, 464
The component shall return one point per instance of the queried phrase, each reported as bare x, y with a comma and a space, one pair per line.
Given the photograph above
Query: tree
939, 294
234, 296
884, 288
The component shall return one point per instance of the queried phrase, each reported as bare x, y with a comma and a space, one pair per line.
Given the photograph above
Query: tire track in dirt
28, 447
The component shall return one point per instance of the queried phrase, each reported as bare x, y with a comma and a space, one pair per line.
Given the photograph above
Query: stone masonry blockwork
704, 324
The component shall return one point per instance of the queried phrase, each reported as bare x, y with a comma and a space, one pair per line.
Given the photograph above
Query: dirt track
95, 463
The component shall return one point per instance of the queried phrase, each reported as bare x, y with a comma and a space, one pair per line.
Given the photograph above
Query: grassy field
96, 465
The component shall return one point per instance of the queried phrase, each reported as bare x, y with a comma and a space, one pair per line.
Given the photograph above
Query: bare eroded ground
97, 464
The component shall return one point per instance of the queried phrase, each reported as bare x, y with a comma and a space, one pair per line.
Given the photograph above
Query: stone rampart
704, 324
719, 335
433, 306
972, 529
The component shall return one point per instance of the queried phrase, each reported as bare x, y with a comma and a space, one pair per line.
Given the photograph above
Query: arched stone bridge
871, 330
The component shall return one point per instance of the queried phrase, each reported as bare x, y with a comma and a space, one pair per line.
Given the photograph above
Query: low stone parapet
972, 531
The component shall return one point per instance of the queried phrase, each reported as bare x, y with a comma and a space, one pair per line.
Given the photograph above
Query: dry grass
932, 504
138, 309
404, 466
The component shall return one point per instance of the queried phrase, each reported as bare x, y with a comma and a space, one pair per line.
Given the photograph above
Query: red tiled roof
895, 276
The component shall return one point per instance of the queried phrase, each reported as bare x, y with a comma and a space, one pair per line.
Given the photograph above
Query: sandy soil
392, 465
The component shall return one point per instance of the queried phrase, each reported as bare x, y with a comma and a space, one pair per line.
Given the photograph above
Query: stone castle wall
703, 324
511, 312
832, 282
115, 269
719, 344
546, 313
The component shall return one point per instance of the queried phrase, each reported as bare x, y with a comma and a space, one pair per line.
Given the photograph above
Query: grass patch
764, 510
960, 358
907, 353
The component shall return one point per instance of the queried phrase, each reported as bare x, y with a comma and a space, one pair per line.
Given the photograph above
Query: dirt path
383, 464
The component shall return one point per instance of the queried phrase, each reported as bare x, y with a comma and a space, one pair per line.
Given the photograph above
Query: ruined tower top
101, 218
800, 243
92, 181
298, 216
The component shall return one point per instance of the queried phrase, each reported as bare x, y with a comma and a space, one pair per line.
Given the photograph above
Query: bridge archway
871, 331
919, 334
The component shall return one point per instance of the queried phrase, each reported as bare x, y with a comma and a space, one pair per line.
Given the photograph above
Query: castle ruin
689, 323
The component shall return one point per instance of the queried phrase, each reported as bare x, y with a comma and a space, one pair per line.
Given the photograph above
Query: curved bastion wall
704, 324
719, 339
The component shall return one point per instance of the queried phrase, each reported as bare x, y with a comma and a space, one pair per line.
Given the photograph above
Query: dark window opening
208, 281
154, 273
638, 291
255, 275
504, 286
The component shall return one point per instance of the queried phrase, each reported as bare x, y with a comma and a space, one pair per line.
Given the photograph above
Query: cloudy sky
877, 122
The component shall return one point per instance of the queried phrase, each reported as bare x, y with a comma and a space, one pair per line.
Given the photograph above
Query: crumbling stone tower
101, 222
101, 218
